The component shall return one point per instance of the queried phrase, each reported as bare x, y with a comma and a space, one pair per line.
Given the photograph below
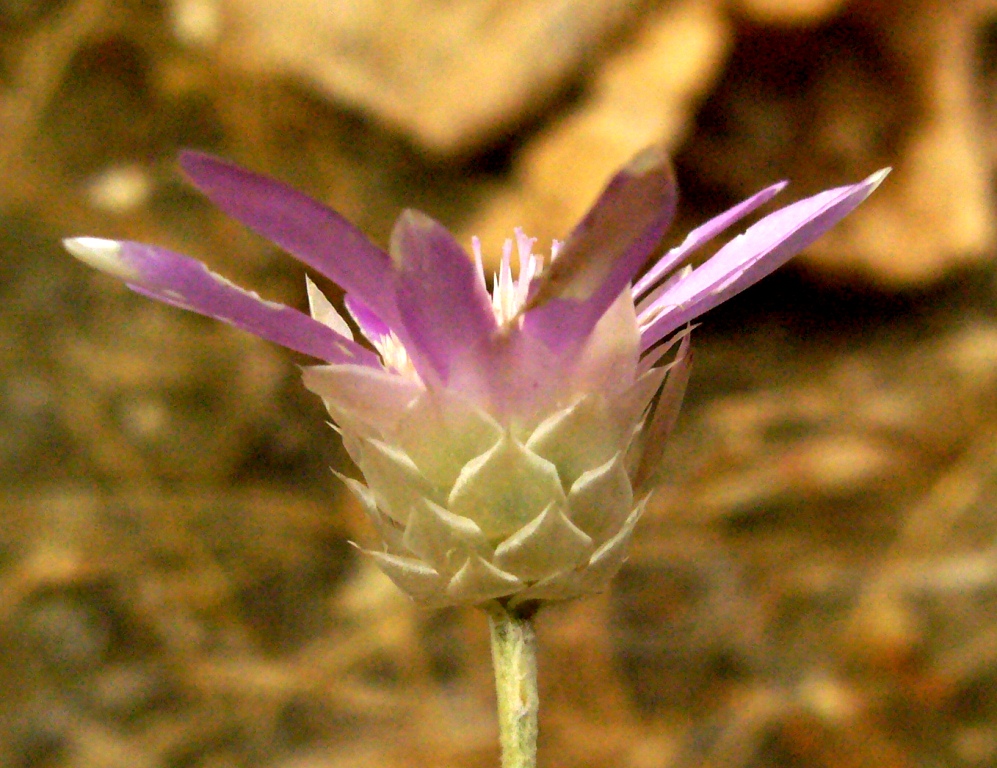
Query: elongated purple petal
702, 235
187, 283
310, 231
446, 313
604, 252
748, 258
370, 324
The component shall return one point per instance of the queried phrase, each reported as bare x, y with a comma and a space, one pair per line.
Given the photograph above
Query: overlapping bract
509, 442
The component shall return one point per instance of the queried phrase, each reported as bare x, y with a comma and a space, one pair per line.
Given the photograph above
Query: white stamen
524, 245
555, 248
505, 289
527, 266
395, 356
509, 294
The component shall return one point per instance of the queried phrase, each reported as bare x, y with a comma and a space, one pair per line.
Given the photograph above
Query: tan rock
936, 212
830, 103
452, 76
787, 12
818, 91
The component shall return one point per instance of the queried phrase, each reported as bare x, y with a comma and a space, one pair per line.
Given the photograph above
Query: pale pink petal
376, 397
702, 235
748, 258
604, 252
446, 314
184, 282
305, 228
370, 324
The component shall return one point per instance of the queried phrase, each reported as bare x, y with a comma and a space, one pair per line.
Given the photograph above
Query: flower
509, 441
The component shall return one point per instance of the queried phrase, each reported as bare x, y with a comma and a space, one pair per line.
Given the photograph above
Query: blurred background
815, 584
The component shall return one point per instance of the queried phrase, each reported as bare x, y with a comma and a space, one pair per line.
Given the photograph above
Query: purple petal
702, 235
446, 313
313, 233
748, 258
370, 324
604, 252
187, 283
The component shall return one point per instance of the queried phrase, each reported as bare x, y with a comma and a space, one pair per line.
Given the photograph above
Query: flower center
395, 357
508, 297
509, 294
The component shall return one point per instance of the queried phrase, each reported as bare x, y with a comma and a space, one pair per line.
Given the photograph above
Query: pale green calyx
471, 506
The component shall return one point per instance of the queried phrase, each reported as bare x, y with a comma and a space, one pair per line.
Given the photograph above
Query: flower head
509, 440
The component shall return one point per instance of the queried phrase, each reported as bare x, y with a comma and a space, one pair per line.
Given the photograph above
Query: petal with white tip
765, 246
702, 235
186, 283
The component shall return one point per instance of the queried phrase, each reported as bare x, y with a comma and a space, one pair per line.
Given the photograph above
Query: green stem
514, 654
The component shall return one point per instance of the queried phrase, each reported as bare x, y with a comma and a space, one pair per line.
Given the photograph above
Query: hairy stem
514, 655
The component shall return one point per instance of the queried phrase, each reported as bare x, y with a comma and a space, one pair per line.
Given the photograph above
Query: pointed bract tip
615, 237
409, 224
877, 178
647, 161
101, 254
412, 220
190, 159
